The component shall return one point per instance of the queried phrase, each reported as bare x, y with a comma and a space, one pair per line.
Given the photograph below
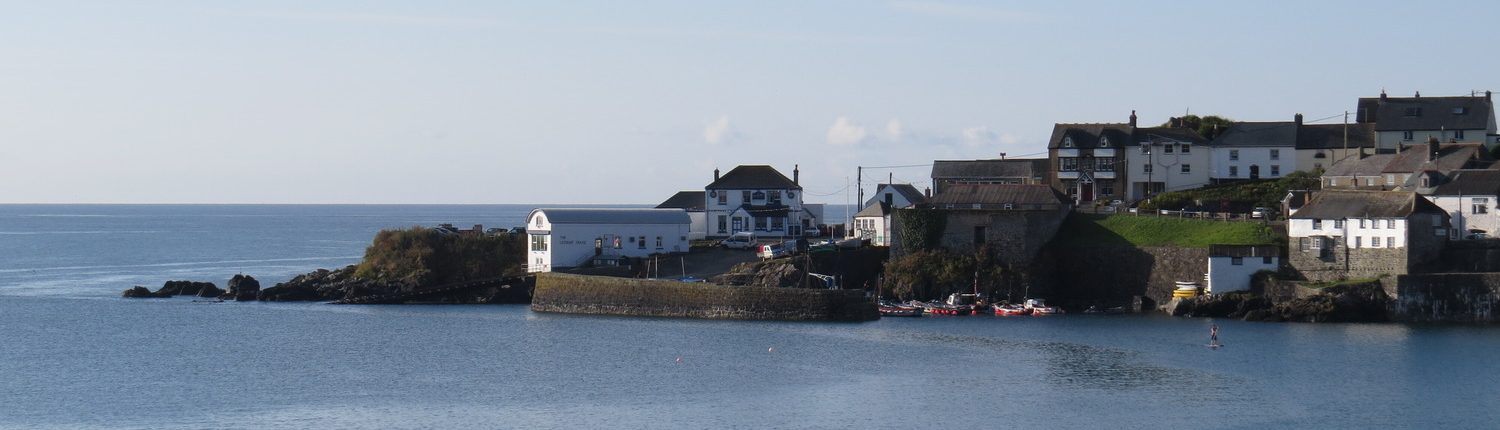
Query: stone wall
1469, 256
556, 292
1112, 275
1017, 236
1447, 297
1341, 262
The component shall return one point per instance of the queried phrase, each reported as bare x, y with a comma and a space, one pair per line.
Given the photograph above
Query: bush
425, 257
1240, 195
936, 274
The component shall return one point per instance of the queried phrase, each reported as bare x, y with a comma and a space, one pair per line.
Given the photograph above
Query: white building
692, 202
873, 224
1345, 234
897, 196
1254, 150
564, 238
756, 199
1166, 159
1470, 198
1230, 267
1410, 120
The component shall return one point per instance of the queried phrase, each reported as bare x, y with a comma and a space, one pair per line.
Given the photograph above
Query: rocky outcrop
320, 285
242, 288
1365, 302
175, 288
564, 293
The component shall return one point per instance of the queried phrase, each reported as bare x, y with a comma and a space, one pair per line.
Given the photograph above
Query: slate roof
1426, 113
1158, 134
879, 209
1331, 136
1259, 134
753, 177
1451, 156
692, 201
612, 216
1340, 204
1087, 136
1471, 183
906, 191
1244, 251
1295, 199
997, 194
1008, 168
1371, 165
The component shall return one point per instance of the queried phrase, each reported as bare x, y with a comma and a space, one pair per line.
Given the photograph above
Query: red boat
1009, 310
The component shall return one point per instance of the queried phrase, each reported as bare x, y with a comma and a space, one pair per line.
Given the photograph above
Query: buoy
679, 360
771, 349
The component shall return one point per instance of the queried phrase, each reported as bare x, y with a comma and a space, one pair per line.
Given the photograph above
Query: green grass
1095, 230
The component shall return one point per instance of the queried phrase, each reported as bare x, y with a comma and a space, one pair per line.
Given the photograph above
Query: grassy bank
1096, 230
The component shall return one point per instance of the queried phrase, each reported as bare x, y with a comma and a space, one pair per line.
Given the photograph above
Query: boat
894, 310
1010, 310
1187, 289
1039, 307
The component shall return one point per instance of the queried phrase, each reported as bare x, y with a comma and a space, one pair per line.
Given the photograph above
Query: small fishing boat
891, 310
1039, 307
1010, 310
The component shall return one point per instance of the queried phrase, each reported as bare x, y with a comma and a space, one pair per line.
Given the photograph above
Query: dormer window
1103, 142
1067, 142
1461, 110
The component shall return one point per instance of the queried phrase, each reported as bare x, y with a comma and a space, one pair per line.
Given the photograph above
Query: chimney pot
1297, 119
716, 174
1419, 95
796, 172
1132, 117
928, 192
1486, 94
1382, 94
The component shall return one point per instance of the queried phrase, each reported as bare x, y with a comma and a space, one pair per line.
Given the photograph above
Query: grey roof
1244, 251
1370, 165
1159, 134
1340, 204
1471, 182
1296, 198
753, 177
1331, 136
1258, 134
992, 194
692, 201
1007, 168
1426, 113
879, 209
1088, 135
1451, 156
613, 216
906, 191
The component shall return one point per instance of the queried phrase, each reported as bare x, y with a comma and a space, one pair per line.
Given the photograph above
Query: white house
564, 238
756, 198
1342, 234
1470, 198
1166, 159
873, 224
1254, 150
1231, 266
692, 202
898, 196
1409, 120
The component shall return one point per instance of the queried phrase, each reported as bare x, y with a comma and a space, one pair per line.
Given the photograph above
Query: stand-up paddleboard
1214, 345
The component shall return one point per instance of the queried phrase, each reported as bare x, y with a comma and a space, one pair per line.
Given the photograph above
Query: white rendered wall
1461, 209
569, 245
1299, 228
1225, 277
1253, 156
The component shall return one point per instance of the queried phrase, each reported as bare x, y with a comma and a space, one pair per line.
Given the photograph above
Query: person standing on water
1213, 333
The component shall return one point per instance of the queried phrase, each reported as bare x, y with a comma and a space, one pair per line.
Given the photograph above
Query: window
1105, 164
1238, 261
658, 242
1009, 206
773, 197
1390, 242
776, 223
1068, 165
760, 223
1406, 135
1375, 224
1375, 242
1166, 149
1234, 171
641, 244
1067, 142
538, 242
1390, 179
1368, 181
1358, 241
758, 196
1460, 110
721, 223
1234, 155
745, 197
1480, 205
1333, 182
1146, 168
1317, 224
1187, 168
739, 224
1275, 155
1302, 244
1458, 134
1103, 142
723, 198
1361, 223
1425, 182
1186, 148
1106, 188
1317, 242
1275, 169
1320, 154
1265, 260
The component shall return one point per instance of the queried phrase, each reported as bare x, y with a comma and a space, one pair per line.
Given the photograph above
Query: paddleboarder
1213, 334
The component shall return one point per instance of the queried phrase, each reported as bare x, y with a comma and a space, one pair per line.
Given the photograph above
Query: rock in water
243, 288
210, 291
138, 292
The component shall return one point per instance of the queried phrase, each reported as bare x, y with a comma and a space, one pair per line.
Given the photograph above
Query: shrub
425, 257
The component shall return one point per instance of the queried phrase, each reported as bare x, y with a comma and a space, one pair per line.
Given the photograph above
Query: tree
1208, 126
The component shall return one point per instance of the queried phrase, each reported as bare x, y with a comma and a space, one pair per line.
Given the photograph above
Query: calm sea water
73, 355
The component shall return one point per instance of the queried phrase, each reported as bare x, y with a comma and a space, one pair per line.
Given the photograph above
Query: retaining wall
578, 294
1447, 297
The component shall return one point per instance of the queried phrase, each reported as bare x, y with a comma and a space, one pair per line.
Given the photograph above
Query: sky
627, 102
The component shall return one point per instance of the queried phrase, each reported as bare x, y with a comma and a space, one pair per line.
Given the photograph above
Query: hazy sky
627, 102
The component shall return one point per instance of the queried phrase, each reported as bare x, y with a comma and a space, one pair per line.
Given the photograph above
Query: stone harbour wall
1447, 297
564, 293
1113, 275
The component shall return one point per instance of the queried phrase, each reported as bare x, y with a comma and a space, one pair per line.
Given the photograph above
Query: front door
1254, 171
1085, 188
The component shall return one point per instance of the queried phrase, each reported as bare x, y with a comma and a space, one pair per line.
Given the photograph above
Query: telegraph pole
859, 183
1346, 136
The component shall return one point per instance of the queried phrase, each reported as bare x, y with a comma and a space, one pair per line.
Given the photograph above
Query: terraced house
1409, 120
1344, 234
1120, 161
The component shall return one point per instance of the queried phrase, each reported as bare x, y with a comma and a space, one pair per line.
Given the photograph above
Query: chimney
1132, 117
928, 192
796, 171
716, 174
1433, 147
1297, 119
1419, 95
1486, 94
1382, 94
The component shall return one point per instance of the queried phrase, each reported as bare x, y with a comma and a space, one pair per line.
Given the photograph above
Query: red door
1085, 192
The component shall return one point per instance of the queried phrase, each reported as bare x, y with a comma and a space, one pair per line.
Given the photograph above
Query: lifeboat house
565, 238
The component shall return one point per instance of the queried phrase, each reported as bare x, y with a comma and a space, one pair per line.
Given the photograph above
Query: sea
74, 354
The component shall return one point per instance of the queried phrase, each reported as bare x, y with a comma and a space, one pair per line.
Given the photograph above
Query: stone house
1342, 234
1001, 171
1408, 120
1013, 220
1319, 146
1416, 168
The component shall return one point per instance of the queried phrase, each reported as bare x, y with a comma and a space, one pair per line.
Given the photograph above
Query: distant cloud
845, 132
369, 18
979, 136
963, 11
893, 129
720, 131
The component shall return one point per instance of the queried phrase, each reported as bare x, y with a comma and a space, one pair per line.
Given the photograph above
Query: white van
741, 240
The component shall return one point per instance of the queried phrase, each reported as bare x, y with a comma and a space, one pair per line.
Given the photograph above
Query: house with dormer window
1413, 120
756, 198
1092, 162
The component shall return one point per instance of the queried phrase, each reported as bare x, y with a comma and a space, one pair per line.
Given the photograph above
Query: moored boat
888, 310
1010, 310
1039, 307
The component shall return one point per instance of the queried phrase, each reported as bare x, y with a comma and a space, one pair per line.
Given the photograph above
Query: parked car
851, 243
1261, 213
741, 240
773, 250
812, 231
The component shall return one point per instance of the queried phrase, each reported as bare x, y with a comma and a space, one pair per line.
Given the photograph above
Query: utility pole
859, 182
1346, 136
